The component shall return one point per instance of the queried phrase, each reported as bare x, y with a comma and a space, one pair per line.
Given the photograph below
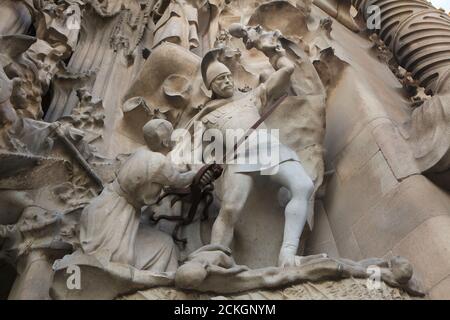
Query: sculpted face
223, 85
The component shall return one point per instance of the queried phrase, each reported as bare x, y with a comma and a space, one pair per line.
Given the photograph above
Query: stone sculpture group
92, 185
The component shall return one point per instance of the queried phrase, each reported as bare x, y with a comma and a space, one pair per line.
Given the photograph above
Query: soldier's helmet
211, 67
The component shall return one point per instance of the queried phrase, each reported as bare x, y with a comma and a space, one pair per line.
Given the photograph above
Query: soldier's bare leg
293, 176
236, 189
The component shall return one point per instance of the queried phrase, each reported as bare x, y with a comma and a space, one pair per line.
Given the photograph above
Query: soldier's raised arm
279, 81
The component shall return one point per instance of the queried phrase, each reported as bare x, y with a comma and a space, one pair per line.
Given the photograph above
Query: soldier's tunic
241, 113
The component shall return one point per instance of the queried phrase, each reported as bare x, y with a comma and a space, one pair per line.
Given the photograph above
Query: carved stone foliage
88, 116
39, 159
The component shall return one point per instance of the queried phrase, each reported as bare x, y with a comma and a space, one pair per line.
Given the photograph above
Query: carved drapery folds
16, 18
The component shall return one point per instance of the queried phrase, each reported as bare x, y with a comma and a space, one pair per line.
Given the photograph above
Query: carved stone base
210, 273
352, 289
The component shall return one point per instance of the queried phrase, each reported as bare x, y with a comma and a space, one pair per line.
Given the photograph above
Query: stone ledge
347, 289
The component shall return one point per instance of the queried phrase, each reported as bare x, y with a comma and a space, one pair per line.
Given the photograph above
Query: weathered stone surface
348, 246
356, 154
395, 149
353, 198
91, 92
393, 218
321, 239
429, 243
440, 291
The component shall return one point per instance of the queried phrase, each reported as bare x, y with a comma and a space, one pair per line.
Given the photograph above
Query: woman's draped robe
110, 224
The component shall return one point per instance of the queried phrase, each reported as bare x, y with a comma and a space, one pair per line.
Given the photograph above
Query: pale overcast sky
445, 4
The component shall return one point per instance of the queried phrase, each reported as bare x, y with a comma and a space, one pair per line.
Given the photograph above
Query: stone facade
93, 92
